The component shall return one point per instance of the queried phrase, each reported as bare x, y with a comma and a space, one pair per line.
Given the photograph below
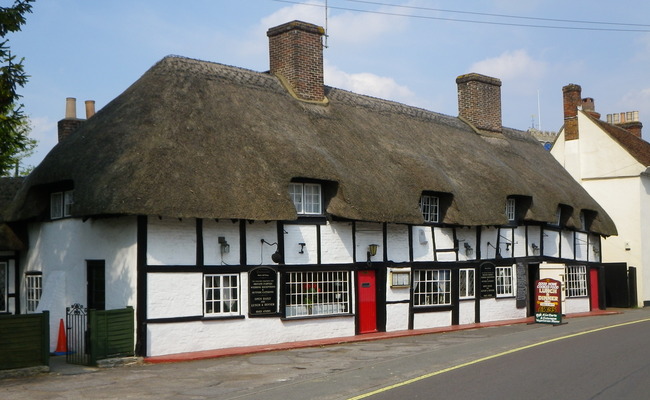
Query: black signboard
263, 292
488, 281
522, 292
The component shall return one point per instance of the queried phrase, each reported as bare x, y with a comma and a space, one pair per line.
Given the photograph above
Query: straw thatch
8, 188
199, 139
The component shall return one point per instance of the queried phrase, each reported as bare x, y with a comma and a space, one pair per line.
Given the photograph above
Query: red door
593, 296
367, 300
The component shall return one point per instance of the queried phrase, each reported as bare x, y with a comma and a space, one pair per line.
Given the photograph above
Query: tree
14, 124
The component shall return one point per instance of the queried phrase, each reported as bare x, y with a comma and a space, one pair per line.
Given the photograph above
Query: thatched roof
8, 188
198, 139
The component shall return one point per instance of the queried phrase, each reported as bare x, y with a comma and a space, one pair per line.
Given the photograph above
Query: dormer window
307, 198
511, 210
61, 204
430, 208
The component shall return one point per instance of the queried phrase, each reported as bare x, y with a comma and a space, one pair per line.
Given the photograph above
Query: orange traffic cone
62, 344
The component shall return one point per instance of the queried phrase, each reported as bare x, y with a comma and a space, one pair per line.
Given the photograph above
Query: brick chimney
572, 100
479, 101
71, 123
627, 120
296, 57
589, 107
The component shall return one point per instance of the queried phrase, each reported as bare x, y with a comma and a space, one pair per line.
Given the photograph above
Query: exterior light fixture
225, 247
535, 249
372, 251
468, 249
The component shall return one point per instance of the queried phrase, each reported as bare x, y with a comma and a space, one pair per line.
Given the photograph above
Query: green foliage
14, 124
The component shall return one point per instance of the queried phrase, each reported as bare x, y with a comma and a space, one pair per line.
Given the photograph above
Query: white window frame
430, 208
33, 291
431, 287
307, 198
576, 281
61, 204
467, 283
221, 295
504, 281
317, 293
511, 209
4, 285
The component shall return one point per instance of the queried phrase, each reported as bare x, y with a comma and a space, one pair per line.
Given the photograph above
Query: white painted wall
336, 243
295, 234
212, 230
369, 233
60, 249
175, 294
168, 241
500, 309
431, 320
467, 312
576, 305
398, 243
397, 317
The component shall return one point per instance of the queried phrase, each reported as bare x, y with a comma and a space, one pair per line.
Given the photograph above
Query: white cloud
512, 66
369, 84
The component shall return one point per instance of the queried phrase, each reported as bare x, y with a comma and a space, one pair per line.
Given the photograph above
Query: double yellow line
442, 371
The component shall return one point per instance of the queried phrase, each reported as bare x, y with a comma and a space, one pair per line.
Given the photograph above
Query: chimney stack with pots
589, 107
296, 58
627, 120
479, 101
71, 123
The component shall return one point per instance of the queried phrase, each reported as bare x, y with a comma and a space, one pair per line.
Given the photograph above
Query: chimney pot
70, 108
479, 101
90, 108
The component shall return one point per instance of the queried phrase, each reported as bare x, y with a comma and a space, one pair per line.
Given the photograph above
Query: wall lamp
225, 247
277, 256
468, 249
535, 249
372, 251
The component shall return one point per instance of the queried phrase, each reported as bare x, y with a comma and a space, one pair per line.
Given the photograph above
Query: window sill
316, 316
222, 317
433, 308
510, 296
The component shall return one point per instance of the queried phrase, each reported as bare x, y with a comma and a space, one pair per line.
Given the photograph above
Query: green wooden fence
111, 334
24, 340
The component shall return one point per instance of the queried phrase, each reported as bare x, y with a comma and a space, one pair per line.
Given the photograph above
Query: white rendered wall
258, 253
293, 252
422, 243
60, 249
175, 294
431, 320
398, 243
369, 233
500, 309
576, 305
467, 311
171, 241
336, 243
397, 314
212, 230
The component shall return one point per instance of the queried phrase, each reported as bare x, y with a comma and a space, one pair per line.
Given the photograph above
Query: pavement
327, 369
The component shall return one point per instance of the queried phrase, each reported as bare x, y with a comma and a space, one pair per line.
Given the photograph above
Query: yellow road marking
442, 371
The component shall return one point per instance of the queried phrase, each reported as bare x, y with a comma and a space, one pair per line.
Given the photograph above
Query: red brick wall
572, 95
479, 101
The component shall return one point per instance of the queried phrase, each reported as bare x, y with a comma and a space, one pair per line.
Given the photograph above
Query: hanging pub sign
488, 280
548, 301
263, 292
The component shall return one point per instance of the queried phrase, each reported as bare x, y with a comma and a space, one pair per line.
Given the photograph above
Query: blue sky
95, 49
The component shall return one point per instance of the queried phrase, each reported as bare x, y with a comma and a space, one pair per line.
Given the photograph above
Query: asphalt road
606, 364
614, 358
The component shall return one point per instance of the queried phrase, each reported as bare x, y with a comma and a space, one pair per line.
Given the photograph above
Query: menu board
263, 292
488, 281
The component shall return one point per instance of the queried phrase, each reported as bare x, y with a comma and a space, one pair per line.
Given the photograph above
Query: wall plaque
263, 292
488, 281
522, 285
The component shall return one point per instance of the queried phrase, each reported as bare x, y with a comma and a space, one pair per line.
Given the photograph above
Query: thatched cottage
231, 207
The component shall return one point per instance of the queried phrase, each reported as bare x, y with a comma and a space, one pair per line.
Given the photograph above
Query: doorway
367, 301
96, 284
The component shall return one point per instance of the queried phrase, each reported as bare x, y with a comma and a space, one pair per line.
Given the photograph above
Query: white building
232, 208
610, 160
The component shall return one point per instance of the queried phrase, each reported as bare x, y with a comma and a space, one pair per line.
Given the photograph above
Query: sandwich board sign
548, 301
